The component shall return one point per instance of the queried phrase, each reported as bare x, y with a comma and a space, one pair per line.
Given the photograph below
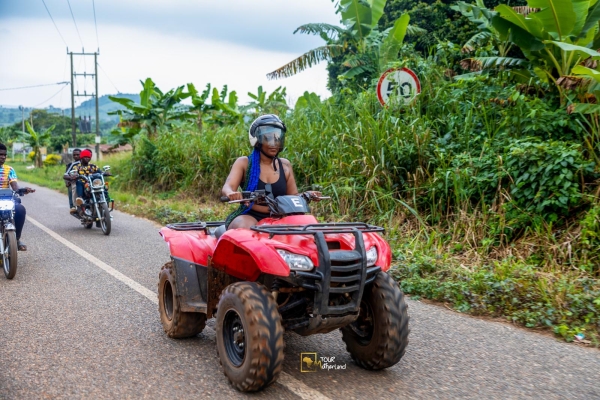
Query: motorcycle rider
261, 169
71, 188
83, 169
8, 178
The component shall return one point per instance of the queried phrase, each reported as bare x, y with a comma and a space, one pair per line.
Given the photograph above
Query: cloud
130, 54
262, 24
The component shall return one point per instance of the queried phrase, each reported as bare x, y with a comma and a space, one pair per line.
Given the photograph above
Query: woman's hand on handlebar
234, 196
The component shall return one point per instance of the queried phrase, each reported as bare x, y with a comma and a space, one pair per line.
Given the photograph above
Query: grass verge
426, 263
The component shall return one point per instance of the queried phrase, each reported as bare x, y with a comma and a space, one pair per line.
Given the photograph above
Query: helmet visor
270, 136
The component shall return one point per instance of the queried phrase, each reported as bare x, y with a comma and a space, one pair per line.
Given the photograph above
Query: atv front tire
176, 323
378, 338
249, 336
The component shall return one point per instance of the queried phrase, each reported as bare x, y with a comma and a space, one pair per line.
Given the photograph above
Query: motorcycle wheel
378, 338
249, 336
176, 323
105, 219
9, 258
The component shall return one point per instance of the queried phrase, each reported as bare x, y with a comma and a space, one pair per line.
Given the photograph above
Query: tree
554, 36
361, 48
274, 103
36, 141
155, 110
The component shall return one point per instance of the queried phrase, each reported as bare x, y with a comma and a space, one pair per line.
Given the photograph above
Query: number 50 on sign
398, 85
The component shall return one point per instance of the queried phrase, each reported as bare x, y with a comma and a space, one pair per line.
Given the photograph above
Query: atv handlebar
260, 197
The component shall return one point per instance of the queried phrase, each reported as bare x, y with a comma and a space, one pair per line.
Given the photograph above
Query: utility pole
22, 118
97, 112
73, 135
95, 95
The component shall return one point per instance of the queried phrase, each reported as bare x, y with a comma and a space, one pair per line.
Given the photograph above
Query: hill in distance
10, 116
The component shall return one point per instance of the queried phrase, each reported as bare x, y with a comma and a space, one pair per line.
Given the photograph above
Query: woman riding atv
262, 169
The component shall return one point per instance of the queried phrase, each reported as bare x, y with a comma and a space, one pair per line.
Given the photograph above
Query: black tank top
278, 188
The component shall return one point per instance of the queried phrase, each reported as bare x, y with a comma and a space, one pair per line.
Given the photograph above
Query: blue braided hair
252, 174
250, 184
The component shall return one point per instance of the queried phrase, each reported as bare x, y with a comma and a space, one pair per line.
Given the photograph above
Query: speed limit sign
398, 85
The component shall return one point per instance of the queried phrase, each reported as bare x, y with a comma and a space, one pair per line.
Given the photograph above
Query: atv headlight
97, 182
296, 262
6, 205
372, 256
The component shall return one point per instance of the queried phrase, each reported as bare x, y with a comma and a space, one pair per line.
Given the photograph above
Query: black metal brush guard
321, 278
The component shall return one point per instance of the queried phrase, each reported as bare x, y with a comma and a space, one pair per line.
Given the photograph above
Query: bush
547, 176
52, 159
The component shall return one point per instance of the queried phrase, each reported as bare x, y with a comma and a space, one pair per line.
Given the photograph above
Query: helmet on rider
269, 130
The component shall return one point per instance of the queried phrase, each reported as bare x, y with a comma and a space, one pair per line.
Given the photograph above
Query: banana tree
479, 15
36, 141
554, 36
363, 48
155, 110
267, 104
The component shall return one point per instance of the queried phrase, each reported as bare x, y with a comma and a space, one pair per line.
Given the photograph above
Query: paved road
70, 329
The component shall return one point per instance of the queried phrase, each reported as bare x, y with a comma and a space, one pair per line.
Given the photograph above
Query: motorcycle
95, 201
8, 245
288, 272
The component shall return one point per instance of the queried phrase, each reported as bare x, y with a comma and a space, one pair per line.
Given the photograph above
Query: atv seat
219, 231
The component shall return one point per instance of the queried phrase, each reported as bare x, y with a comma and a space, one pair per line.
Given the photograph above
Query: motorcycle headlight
296, 262
372, 256
97, 182
6, 205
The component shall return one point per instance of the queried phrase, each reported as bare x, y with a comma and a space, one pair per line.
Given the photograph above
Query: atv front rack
195, 226
326, 228
340, 272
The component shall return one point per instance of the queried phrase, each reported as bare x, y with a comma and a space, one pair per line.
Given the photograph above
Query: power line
51, 97
108, 77
28, 87
76, 28
95, 24
61, 36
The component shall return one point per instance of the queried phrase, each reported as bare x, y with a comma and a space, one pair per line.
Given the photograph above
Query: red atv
288, 272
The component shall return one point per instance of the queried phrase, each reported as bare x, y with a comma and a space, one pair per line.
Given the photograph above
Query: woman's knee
242, 221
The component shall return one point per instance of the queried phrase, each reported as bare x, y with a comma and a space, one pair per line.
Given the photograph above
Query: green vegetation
488, 183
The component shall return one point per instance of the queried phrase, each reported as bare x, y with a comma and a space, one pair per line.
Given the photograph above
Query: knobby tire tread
264, 326
390, 337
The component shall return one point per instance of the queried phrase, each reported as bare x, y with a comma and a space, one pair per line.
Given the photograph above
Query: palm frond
489, 62
584, 108
306, 60
352, 72
413, 30
476, 41
320, 28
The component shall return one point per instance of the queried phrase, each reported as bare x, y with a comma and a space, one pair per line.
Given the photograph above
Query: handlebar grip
224, 199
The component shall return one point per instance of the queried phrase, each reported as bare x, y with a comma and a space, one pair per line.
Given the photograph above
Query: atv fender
246, 255
195, 246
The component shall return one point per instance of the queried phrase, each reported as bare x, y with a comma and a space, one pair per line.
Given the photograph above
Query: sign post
398, 85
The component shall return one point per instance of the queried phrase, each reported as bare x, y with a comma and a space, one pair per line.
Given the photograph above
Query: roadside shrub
547, 176
52, 159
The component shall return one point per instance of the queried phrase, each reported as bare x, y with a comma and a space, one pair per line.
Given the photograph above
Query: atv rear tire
249, 336
177, 324
378, 338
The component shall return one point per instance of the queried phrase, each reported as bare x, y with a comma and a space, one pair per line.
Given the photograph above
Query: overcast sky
233, 42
